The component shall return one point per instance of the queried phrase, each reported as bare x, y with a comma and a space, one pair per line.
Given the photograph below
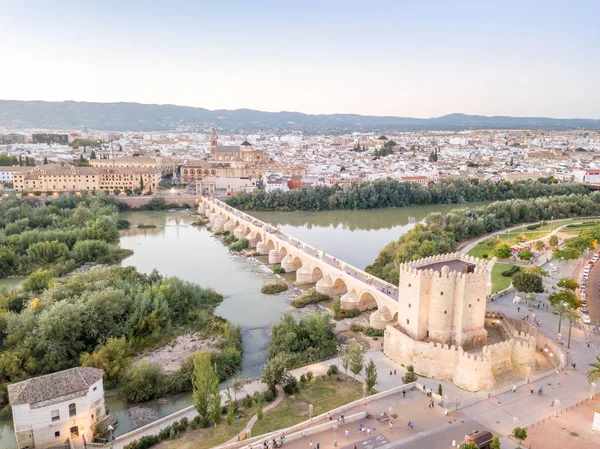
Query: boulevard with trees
440, 232
392, 193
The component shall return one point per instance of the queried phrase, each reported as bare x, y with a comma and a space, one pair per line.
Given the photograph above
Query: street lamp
338, 348
556, 405
592, 389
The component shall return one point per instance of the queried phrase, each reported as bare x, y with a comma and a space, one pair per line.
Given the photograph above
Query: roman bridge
356, 288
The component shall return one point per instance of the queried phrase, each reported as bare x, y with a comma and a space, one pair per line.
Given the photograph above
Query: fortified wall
441, 326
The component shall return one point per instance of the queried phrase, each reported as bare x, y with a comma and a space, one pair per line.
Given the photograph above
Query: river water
176, 248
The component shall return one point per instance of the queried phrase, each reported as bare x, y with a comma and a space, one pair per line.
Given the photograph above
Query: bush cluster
339, 313
512, 270
167, 433
310, 296
240, 245
272, 289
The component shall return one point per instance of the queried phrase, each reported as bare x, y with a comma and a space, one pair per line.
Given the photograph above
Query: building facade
50, 409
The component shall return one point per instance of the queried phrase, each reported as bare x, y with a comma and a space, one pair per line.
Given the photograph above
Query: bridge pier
230, 226
211, 219
350, 301
202, 209
326, 286
262, 248
288, 264
381, 318
305, 276
219, 223
274, 256
251, 242
240, 232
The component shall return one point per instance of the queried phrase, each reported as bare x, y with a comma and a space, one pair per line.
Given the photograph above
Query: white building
279, 184
6, 176
50, 409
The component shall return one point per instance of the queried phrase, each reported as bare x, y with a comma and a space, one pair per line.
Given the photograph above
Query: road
593, 289
385, 287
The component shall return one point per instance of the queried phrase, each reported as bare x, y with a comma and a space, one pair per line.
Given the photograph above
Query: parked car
583, 296
586, 318
584, 309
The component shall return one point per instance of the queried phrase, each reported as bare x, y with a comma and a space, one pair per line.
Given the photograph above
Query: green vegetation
410, 375
240, 245
339, 313
310, 339
102, 318
391, 193
278, 269
146, 226
86, 143
206, 389
440, 232
274, 288
59, 235
528, 282
594, 373
520, 433
368, 331
323, 392
370, 376
510, 271
310, 296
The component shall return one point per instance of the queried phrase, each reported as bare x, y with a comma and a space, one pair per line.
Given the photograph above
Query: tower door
74, 430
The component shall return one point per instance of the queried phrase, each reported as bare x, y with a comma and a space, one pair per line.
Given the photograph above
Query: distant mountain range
151, 117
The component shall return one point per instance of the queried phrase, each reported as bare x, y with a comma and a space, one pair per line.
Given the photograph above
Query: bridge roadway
357, 288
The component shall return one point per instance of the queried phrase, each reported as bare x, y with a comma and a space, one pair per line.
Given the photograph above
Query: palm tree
594, 374
539, 245
561, 310
571, 316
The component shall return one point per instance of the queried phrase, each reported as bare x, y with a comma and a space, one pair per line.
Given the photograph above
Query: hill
151, 117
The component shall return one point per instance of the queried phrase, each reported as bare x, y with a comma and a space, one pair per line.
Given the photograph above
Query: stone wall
138, 201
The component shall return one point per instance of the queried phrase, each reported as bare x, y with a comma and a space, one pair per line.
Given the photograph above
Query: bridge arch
317, 274
270, 244
339, 287
283, 251
366, 301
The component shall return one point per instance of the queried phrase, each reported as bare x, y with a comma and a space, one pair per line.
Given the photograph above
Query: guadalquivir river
178, 249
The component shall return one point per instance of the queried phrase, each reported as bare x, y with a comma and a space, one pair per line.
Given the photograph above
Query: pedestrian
391, 426
368, 431
394, 372
403, 393
347, 433
519, 309
318, 445
311, 444
390, 372
514, 388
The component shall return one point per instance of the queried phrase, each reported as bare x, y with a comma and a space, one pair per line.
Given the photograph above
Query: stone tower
442, 299
213, 145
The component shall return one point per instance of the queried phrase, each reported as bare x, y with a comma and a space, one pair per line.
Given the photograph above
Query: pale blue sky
406, 58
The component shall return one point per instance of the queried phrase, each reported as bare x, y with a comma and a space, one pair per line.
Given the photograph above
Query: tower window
441, 293
407, 321
469, 305
445, 312
409, 285
409, 306
477, 299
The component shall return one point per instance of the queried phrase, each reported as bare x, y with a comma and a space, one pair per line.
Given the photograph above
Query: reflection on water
354, 236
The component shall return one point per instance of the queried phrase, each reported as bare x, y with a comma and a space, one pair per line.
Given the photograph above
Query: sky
404, 58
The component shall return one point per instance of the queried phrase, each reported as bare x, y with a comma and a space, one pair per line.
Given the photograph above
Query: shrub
303, 378
142, 382
310, 296
333, 369
240, 245
485, 256
229, 239
269, 396
279, 270
290, 385
122, 224
222, 232
354, 327
272, 289
372, 332
309, 376
512, 270
146, 226
534, 226
248, 401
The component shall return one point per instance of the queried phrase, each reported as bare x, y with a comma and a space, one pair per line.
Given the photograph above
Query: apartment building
65, 178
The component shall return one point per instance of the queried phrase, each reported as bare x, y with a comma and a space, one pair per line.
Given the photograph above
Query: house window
57, 434
55, 415
72, 410
94, 389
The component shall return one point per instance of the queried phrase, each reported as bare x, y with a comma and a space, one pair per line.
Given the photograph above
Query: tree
567, 297
440, 391
237, 385
273, 372
357, 358
568, 283
537, 270
45, 160
566, 254
141, 183
410, 375
468, 446
561, 309
112, 357
503, 251
345, 359
520, 238
214, 406
370, 376
230, 408
525, 254
520, 433
539, 246
205, 385
594, 374
570, 316
117, 192
492, 242
527, 282
258, 398
553, 241
495, 443
93, 155
38, 281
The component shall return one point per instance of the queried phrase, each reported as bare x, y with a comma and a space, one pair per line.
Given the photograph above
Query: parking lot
592, 293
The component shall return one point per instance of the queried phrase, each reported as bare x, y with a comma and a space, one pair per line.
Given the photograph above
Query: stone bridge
356, 288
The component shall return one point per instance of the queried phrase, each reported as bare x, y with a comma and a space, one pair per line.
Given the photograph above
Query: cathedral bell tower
213, 145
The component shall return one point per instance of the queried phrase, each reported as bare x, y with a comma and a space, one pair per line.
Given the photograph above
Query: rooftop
71, 383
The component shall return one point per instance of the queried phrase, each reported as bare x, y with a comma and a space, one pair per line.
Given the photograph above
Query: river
176, 248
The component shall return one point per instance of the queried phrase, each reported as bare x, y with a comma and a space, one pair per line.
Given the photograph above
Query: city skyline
384, 59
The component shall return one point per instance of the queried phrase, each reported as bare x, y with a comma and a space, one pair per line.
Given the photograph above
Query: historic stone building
441, 327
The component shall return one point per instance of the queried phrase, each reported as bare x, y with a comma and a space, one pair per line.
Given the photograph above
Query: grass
577, 228
500, 282
208, 437
273, 289
323, 392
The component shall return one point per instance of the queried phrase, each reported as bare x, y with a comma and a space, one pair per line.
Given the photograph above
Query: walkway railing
387, 288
